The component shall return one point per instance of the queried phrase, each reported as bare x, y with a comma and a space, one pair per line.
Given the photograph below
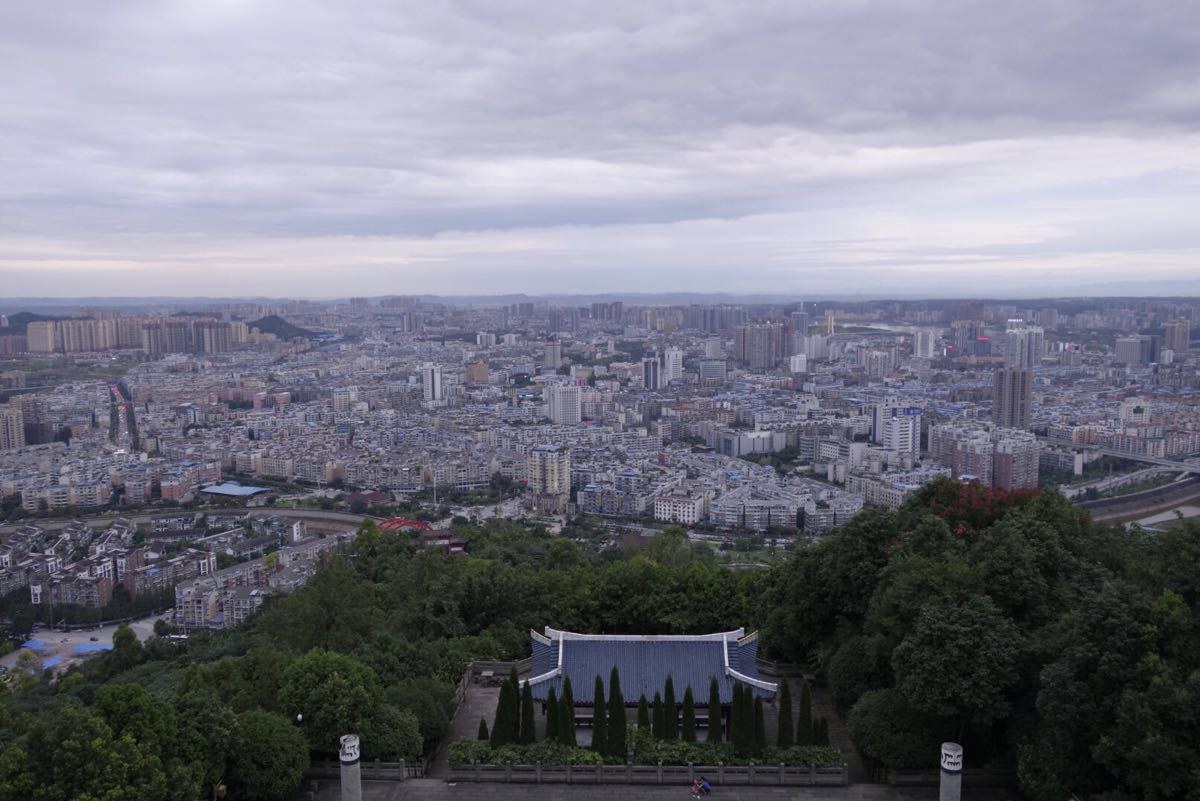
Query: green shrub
647, 751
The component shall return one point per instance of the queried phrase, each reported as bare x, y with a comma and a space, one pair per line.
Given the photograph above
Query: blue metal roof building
644, 662
233, 490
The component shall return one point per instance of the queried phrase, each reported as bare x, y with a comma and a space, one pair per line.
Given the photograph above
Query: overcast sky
227, 147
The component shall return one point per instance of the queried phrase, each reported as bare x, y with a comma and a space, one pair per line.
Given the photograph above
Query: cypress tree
804, 721
513, 735
643, 713
616, 716
504, 710
528, 732
552, 715
599, 715
670, 712
657, 729
760, 727
714, 711
745, 734
786, 735
735, 718
566, 714
688, 734
483, 731
821, 732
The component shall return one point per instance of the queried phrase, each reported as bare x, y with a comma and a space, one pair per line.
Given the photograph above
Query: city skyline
807, 151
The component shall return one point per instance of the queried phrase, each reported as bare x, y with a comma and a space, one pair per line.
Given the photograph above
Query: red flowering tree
968, 507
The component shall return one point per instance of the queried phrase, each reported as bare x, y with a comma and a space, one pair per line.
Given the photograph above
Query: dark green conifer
513, 734
688, 732
804, 721
552, 715
786, 734
670, 712
528, 732
505, 710
821, 732
760, 727
736, 726
566, 714
643, 713
657, 729
483, 730
616, 716
599, 719
714, 711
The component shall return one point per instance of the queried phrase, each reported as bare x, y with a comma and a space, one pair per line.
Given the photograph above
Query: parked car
94, 639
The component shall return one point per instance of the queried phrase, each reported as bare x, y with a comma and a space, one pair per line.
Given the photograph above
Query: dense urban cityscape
752, 425
527, 401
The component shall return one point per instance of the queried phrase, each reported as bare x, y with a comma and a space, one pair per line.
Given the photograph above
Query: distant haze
322, 149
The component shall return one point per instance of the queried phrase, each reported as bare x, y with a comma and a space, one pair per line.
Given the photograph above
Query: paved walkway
480, 702
839, 737
437, 790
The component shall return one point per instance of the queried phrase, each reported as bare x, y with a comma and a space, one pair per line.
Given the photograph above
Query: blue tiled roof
644, 664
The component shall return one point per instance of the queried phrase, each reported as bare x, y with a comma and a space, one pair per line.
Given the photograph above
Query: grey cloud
229, 122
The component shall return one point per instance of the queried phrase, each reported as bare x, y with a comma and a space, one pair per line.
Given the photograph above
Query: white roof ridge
722, 636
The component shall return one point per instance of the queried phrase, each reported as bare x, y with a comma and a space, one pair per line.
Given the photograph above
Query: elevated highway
1190, 466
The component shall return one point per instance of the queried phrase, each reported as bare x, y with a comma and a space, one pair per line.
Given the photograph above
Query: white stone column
351, 771
952, 765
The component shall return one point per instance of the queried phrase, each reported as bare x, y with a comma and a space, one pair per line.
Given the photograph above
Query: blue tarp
53, 661
91, 647
37, 645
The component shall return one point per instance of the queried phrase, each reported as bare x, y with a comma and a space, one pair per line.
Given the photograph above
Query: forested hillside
1041, 641
1013, 625
373, 644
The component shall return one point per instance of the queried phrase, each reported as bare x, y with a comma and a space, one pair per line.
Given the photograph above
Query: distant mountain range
1141, 290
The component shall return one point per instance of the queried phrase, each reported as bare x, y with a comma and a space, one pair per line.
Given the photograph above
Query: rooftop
234, 490
645, 661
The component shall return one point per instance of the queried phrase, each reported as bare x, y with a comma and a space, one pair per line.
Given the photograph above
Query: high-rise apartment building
553, 355
651, 373
969, 338
431, 383
1136, 349
816, 346
548, 476
927, 344
476, 372
1023, 344
42, 336
760, 346
1178, 336
897, 426
1015, 460
1012, 398
712, 371
1004, 458
564, 404
12, 427
672, 365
